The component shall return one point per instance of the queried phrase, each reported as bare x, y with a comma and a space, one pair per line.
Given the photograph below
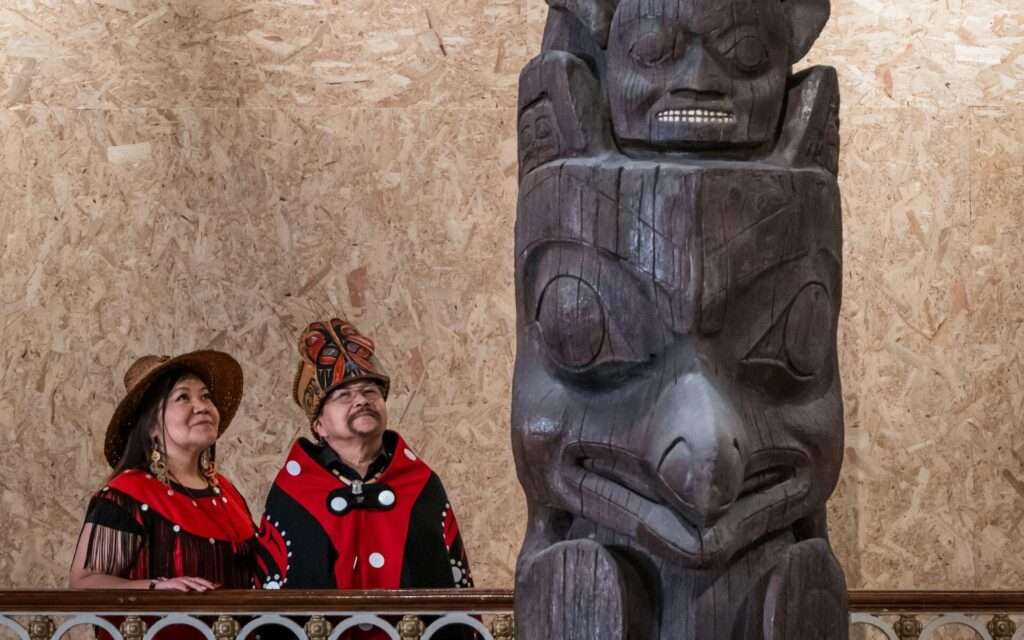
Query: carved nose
702, 481
699, 74
701, 467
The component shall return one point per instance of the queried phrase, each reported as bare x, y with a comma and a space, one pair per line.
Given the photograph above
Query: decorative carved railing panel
226, 615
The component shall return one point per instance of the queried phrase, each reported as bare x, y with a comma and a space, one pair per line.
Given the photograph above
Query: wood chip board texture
188, 174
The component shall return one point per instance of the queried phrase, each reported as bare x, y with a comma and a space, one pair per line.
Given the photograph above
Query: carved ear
596, 15
806, 20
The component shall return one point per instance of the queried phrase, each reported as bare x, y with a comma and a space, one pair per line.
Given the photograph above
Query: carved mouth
761, 481
695, 116
617, 491
627, 474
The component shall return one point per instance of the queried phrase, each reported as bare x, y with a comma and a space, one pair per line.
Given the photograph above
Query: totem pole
677, 418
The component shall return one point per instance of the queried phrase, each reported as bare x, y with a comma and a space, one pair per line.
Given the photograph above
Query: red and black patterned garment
143, 529
326, 527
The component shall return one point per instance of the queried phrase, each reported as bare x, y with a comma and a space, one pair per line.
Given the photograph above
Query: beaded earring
157, 464
208, 466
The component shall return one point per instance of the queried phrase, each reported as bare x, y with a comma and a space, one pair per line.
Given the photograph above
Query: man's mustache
364, 412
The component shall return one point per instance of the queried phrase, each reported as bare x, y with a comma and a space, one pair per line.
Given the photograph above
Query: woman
166, 519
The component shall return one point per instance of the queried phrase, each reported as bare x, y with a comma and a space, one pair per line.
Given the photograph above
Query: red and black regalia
327, 527
144, 529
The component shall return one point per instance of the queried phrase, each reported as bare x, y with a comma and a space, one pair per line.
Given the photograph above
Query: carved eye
573, 321
651, 48
795, 349
808, 325
543, 125
590, 313
745, 49
526, 135
750, 53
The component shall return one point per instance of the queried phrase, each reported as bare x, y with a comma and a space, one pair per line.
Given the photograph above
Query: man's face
354, 411
697, 75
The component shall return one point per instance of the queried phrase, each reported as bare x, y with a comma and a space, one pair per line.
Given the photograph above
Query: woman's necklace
194, 497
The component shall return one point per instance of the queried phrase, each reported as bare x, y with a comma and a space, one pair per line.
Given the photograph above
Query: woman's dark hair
139, 446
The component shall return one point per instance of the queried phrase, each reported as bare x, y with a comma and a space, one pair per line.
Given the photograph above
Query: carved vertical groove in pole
410, 628
503, 627
1001, 627
908, 628
318, 628
41, 628
225, 628
133, 628
676, 409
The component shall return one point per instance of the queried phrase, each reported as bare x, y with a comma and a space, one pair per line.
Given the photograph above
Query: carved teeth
695, 115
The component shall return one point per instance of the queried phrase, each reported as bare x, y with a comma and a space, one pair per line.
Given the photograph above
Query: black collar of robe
329, 459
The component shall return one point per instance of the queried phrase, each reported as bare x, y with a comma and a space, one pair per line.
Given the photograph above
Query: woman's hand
184, 583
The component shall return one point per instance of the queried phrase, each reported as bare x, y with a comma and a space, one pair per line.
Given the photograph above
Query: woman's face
190, 418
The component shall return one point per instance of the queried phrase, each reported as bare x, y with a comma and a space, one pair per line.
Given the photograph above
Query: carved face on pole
693, 75
676, 380
538, 134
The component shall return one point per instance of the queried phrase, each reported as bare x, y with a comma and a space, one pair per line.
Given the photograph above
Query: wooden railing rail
289, 601
285, 601
931, 601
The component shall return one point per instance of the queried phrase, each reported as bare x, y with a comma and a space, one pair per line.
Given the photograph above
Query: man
354, 508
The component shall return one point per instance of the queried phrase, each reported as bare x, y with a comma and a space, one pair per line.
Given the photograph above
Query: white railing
937, 615
237, 615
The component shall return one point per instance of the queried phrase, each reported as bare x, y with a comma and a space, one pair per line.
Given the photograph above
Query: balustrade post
503, 627
133, 628
318, 628
1001, 627
908, 628
225, 628
41, 628
410, 628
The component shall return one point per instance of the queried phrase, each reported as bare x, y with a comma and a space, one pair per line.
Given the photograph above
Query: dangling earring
157, 464
209, 467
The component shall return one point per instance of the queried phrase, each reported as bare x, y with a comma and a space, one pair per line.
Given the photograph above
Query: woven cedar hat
333, 353
218, 370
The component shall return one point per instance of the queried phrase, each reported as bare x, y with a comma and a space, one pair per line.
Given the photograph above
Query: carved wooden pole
677, 417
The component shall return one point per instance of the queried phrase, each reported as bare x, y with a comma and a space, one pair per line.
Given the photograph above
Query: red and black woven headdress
333, 353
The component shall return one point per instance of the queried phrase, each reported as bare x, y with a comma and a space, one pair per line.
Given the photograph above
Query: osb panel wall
195, 174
